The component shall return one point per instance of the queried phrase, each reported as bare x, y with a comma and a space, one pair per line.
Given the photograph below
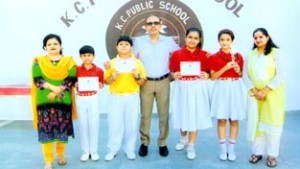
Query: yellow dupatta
56, 72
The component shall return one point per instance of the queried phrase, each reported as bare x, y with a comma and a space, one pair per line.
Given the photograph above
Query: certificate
88, 84
125, 65
190, 68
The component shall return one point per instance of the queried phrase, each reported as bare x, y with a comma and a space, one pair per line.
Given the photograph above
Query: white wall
25, 23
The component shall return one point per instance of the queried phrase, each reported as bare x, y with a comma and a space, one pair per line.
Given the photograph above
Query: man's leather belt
158, 78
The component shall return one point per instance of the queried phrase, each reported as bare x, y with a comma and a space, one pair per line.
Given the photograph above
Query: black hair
125, 38
226, 31
50, 36
86, 49
270, 44
195, 30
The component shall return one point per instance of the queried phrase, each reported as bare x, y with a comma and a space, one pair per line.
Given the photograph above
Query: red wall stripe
14, 90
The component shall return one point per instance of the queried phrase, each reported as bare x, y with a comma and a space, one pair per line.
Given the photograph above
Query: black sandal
271, 162
255, 158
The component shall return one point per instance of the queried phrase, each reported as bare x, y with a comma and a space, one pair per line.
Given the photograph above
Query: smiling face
225, 42
153, 25
260, 39
53, 47
192, 40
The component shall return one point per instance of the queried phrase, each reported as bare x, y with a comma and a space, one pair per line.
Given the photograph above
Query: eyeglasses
152, 23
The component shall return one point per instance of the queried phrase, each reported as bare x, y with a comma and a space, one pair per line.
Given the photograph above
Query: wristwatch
138, 77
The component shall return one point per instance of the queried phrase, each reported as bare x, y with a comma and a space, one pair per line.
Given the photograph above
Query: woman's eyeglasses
152, 23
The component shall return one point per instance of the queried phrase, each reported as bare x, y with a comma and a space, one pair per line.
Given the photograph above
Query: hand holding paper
88, 84
124, 66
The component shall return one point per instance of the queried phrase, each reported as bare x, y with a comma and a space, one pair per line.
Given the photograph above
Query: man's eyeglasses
152, 23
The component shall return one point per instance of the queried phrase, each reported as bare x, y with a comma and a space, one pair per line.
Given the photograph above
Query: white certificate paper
190, 68
125, 66
88, 84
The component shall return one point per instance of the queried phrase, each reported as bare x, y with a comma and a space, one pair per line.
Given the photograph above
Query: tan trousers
48, 151
160, 91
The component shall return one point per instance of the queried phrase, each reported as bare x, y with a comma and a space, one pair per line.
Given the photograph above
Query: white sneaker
223, 156
130, 155
85, 157
191, 154
231, 156
180, 145
95, 156
109, 156
223, 151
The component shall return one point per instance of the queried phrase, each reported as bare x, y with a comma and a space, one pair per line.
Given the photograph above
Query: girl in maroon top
228, 95
190, 100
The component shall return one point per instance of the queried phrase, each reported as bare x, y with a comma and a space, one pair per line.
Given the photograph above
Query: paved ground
19, 148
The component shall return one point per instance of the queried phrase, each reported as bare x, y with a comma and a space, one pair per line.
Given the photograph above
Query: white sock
191, 144
184, 138
223, 146
231, 146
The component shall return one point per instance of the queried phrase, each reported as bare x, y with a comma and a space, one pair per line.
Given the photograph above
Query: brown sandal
62, 161
271, 162
255, 158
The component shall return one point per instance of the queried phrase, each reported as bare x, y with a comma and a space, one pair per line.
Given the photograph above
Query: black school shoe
163, 151
143, 150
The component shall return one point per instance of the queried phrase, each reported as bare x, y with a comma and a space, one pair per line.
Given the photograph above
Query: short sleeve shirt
94, 71
125, 83
186, 55
218, 60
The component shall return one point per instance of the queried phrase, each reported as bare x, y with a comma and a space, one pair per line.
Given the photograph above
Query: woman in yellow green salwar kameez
53, 76
264, 78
